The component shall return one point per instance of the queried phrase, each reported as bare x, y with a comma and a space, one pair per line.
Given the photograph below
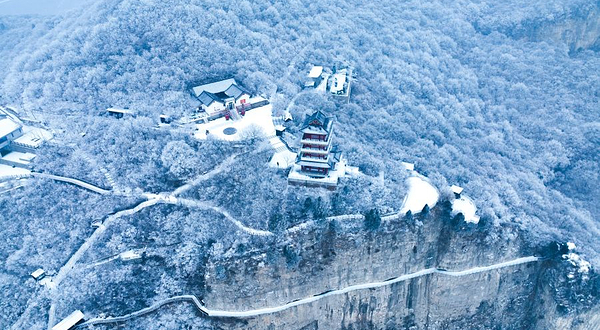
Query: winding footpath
171, 198
190, 203
71, 263
76, 182
152, 199
208, 175
270, 310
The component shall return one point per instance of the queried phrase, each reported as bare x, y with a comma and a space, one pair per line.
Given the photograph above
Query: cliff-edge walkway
270, 310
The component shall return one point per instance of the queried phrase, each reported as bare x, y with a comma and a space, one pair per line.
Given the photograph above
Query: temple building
222, 99
10, 130
317, 159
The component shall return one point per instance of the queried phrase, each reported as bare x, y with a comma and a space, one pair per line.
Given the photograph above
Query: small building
70, 321
10, 130
120, 113
287, 116
164, 119
279, 129
220, 98
38, 274
314, 77
339, 82
456, 190
131, 255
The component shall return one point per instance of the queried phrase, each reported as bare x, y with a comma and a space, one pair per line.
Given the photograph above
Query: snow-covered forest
501, 98
473, 93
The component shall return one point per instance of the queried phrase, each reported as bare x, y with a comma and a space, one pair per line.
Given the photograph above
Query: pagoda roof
319, 121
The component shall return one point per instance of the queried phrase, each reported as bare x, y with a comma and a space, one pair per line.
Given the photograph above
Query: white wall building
220, 97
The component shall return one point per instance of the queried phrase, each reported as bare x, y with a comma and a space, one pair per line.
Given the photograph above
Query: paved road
308, 300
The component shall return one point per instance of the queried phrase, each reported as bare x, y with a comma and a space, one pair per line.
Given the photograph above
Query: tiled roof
318, 119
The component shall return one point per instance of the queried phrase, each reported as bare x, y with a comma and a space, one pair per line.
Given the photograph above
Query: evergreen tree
372, 219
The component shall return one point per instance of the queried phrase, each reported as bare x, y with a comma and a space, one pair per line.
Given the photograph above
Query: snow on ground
297, 176
582, 265
47, 282
259, 118
17, 157
465, 206
277, 144
8, 171
33, 137
575, 259
420, 193
283, 159
341, 170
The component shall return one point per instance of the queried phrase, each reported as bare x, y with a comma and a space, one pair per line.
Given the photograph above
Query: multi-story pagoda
318, 163
315, 157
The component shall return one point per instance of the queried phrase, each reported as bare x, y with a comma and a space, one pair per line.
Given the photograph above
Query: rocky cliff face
579, 30
336, 256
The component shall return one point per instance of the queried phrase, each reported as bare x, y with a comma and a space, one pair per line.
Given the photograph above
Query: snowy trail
206, 206
64, 270
72, 181
102, 262
109, 178
70, 265
152, 199
218, 169
271, 310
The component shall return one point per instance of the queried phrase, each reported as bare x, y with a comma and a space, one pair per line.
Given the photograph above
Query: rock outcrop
338, 255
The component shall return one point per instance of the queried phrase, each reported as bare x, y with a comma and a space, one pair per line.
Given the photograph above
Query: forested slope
459, 88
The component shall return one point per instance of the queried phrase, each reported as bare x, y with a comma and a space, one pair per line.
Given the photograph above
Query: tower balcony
316, 142
318, 151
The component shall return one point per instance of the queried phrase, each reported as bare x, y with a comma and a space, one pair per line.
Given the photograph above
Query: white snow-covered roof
214, 87
130, 255
315, 72
456, 189
33, 136
19, 157
420, 193
7, 126
123, 111
37, 273
69, 321
8, 171
339, 79
287, 116
571, 246
465, 206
